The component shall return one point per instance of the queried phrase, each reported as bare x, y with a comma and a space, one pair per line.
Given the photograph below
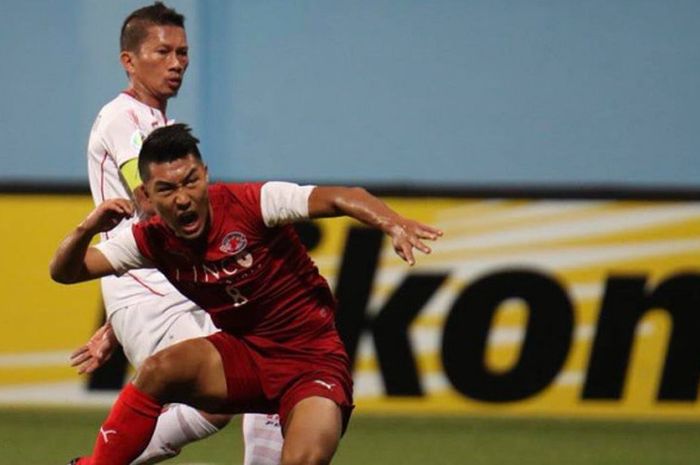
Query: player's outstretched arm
356, 202
75, 261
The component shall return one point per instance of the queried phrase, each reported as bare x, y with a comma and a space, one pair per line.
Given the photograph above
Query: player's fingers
414, 240
78, 351
80, 355
121, 206
420, 246
407, 249
89, 368
127, 208
82, 370
428, 232
128, 204
120, 210
399, 252
80, 360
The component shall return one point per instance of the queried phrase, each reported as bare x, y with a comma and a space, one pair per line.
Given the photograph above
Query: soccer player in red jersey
231, 249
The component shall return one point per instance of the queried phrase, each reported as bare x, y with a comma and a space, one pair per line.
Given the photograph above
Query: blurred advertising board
541, 305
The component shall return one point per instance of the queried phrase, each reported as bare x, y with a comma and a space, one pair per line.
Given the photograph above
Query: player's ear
144, 192
206, 173
127, 60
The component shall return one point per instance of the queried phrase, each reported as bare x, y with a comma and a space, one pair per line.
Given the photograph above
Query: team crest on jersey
137, 140
233, 243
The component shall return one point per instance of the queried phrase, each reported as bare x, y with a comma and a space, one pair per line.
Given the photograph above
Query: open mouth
189, 222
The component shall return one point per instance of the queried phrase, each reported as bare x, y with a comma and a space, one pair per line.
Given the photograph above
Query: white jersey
116, 138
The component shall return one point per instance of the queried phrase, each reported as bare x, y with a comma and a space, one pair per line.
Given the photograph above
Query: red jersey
260, 287
252, 279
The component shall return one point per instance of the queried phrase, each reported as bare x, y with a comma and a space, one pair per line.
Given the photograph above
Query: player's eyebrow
159, 183
192, 173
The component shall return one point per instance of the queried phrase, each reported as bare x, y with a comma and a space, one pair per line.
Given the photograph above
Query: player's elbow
60, 275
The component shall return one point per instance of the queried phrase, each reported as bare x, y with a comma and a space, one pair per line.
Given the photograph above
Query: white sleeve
122, 252
284, 202
122, 138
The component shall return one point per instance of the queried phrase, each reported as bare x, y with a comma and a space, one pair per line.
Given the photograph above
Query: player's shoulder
120, 107
120, 110
236, 205
152, 229
239, 192
154, 222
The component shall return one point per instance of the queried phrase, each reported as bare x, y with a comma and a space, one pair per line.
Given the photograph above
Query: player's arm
356, 202
122, 138
131, 178
75, 260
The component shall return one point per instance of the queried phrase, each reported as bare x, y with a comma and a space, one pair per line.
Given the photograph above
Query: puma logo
106, 433
328, 386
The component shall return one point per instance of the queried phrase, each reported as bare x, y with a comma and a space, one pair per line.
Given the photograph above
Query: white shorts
155, 322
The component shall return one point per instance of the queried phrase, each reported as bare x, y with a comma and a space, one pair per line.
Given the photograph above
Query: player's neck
146, 98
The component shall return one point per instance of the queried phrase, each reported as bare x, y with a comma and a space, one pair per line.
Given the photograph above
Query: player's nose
175, 63
182, 200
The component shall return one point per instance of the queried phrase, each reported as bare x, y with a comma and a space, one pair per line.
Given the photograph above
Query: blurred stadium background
555, 142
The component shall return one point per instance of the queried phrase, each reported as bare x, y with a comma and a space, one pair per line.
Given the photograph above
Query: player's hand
407, 235
107, 215
96, 351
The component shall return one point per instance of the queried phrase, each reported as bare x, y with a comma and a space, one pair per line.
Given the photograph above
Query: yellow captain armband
130, 174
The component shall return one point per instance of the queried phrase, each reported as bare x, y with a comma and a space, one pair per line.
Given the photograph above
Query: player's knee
156, 375
218, 420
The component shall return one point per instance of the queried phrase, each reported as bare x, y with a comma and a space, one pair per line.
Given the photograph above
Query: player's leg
314, 413
263, 440
262, 434
176, 427
179, 424
190, 372
312, 432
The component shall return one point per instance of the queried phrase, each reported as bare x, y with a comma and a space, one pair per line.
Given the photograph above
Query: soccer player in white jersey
144, 311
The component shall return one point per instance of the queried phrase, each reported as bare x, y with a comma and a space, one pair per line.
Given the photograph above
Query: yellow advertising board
525, 306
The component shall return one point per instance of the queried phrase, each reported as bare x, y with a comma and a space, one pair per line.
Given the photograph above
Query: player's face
159, 66
178, 191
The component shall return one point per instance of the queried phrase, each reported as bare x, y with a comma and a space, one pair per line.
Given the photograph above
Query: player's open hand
96, 351
407, 235
108, 214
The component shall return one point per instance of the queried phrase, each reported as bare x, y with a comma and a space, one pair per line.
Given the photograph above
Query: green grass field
52, 436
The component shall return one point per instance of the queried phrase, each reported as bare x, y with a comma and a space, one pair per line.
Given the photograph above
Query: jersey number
235, 294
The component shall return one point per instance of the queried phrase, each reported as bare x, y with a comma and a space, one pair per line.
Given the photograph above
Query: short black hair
135, 26
167, 144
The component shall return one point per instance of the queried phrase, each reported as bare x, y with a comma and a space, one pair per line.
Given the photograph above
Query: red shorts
264, 377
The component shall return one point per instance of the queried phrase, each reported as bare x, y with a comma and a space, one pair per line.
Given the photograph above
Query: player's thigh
153, 322
190, 324
190, 372
137, 338
312, 431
